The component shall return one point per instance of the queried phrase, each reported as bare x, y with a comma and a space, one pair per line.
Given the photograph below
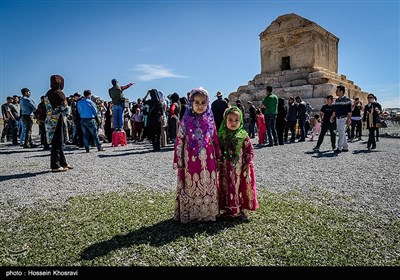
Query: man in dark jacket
218, 108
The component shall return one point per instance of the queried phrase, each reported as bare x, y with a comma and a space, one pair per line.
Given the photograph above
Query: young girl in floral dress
195, 156
238, 184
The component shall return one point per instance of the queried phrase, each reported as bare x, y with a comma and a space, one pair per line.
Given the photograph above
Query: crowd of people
213, 152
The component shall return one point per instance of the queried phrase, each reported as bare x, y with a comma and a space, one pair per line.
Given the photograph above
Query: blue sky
175, 46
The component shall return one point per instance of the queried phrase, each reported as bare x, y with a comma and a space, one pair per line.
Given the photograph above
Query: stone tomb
298, 58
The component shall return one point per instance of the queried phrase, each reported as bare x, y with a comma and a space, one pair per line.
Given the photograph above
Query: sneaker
316, 148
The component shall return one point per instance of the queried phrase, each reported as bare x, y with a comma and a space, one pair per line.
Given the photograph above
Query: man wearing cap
117, 97
218, 108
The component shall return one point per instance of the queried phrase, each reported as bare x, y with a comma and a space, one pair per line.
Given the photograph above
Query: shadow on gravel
156, 235
7, 152
167, 149
124, 154
259, 146
23, 175
44, 155
365, 151
325, 154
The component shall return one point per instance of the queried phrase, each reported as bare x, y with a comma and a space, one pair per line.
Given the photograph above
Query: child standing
238, 184
196, 153
262, 128
316, 130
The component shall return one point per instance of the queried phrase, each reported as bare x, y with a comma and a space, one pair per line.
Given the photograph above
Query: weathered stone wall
326, 51
307, 44
296, 44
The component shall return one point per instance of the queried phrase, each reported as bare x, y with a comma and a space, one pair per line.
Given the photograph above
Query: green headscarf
231, 140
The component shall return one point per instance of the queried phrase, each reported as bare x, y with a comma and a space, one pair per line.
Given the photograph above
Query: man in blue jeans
117, 97
270, 105
28, 108
88, 112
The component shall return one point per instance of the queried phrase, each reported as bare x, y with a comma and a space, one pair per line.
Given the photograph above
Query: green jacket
271, 104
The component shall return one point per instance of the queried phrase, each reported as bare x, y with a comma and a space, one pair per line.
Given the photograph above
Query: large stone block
317, 74
316, 103
242, 88
292, 76
298, 83
323, 90
259, 95
305, 91
317, 81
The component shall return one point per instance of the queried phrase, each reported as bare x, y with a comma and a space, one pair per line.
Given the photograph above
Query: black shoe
316, 148
345, 150
337, 151
373, 148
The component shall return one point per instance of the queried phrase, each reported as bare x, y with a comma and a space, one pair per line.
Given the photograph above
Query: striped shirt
342, 107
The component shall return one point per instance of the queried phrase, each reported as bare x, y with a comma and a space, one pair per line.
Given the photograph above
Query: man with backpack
118, 100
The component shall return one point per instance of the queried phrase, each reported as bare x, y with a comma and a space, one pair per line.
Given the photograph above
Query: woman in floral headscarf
196, 154
238, 184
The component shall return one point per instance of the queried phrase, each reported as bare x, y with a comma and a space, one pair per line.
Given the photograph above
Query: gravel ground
367, 180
